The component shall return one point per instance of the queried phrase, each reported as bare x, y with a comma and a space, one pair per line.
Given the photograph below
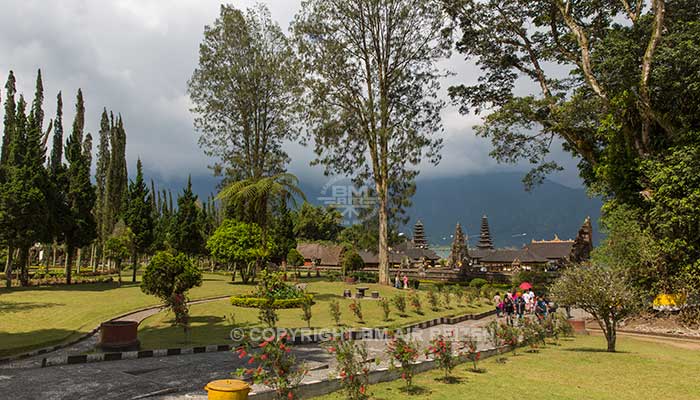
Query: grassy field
210, 322
35, 317
578, 369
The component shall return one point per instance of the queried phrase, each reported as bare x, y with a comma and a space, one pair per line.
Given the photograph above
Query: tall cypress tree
116, 179
56, 158
103, 157
187, 229
23, 216
9, 121
80, 227
58, 179
139, 217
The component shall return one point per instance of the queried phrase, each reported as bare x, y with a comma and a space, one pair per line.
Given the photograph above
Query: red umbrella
525, 286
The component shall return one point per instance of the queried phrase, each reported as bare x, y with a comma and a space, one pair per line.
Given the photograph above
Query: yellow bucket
227, 389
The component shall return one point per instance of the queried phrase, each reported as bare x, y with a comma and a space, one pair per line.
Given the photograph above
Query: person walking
405, 281
520, 307
397, 281
540, 308
509, 309
498, 303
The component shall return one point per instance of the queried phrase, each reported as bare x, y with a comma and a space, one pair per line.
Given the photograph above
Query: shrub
399, 301
404, 353
352, 262
447, 299
470, 345
440, 350
533, 333
351, 357
356, 309
384, 304
432, 300
334, 308
414, 300
458, 296
257, 302
306, 312
477, 283
169, 277
277, 366
271, 285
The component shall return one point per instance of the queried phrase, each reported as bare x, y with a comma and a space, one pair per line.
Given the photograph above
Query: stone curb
89, 334
356, 334
322, 387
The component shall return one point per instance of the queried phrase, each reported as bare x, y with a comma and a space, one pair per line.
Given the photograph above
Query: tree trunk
119, 271
383, 236
93, 257
69, 263
79, 261
134, 265
53, 250
8, 267
23, 266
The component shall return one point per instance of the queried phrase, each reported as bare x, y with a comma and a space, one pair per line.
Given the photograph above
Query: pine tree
187, 229
80, 227
139, 217
58, 179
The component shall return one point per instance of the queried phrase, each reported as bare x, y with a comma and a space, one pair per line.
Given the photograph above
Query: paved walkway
175, 377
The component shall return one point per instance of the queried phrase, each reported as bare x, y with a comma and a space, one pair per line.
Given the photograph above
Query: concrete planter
119, 335
579, 326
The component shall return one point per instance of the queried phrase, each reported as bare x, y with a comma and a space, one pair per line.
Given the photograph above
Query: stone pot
119, 335
579, 326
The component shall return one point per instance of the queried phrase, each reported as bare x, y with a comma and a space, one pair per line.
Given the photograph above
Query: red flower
362, 389
290, 395
263, 357
252, 360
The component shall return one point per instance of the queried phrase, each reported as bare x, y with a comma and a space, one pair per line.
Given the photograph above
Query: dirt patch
664, 323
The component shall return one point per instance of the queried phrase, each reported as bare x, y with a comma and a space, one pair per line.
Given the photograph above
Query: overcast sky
135, 56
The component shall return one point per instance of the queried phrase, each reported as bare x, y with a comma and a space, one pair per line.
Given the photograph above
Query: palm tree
258, 195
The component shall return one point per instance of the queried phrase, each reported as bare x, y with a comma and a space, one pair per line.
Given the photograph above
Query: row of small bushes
61, 280
258, 302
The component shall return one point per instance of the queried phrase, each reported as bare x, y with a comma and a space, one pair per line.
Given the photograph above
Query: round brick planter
579, 326
119, 335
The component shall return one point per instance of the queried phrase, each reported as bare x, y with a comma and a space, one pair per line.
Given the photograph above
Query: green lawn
210, 321
35, 317
578, 369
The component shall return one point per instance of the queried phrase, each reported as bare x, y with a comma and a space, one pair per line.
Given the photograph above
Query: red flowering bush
440, 350
414, 300
352, 368
178, 304
356, 309
470, 348
271, 363
404, 353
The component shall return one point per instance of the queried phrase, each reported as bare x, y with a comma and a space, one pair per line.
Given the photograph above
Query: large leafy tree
372, 103
139, 217
317, 223
254, 199
244, 92
239, 245
630, 99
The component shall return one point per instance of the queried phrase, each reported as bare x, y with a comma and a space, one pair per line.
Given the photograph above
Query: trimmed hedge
258, 302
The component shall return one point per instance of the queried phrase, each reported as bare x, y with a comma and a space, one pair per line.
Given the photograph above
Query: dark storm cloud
135, 56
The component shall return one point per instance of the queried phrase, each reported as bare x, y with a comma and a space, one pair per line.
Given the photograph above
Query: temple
485, 236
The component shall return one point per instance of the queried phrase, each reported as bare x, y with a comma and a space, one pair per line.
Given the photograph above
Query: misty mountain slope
442, 202
549, 209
